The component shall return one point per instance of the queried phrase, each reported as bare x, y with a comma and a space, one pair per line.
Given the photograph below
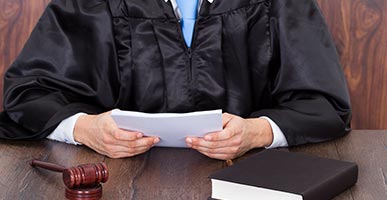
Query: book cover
276, 174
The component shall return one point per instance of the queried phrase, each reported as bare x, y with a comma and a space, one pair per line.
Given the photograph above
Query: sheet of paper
171, 128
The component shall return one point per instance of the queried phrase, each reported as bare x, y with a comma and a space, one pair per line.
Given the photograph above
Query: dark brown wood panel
17, 19
196, 164
174, 173
359, 28
20, 181
370, 158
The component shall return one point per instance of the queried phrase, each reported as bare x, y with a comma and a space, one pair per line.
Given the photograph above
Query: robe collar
177, 11
209, 1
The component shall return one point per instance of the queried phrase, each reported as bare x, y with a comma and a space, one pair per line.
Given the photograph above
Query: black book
275, 174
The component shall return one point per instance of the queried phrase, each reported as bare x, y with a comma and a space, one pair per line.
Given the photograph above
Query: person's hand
237, 137
100, 133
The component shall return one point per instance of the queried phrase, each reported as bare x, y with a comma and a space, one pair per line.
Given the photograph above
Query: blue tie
188, 10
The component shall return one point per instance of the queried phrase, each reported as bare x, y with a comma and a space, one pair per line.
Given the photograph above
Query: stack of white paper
171, 128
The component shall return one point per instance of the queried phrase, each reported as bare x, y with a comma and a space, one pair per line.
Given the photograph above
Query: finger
143, 142
200, 142
124, 154
225, 134
219, 156
223, 150
117, 151
125, 135
136, 151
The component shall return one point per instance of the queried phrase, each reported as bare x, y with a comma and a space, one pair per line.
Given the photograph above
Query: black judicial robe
251, 58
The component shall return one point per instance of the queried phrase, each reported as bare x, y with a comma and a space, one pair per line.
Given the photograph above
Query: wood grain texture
359, 28
372, 181
21, 181
173, 173
191, 174
17, 19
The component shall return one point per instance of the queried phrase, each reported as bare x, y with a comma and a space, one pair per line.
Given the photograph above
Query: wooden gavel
81, 181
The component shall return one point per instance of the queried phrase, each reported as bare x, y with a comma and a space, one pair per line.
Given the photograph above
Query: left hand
237, 137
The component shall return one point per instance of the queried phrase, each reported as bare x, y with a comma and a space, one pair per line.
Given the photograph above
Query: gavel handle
46, 165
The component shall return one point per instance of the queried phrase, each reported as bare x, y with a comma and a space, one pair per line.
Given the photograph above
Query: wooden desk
166, 173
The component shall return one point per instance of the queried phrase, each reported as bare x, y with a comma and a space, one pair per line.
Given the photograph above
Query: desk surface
168, 173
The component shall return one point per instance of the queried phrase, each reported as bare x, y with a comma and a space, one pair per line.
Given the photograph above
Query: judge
270, 65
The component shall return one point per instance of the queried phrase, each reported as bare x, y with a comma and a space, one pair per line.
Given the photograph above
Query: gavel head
85, 175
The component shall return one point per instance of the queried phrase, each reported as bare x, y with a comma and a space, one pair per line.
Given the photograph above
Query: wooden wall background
359, 28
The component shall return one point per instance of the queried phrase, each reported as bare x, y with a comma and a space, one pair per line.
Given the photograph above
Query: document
171, 128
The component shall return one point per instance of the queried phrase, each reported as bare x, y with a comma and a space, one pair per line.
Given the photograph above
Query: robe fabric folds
251, 58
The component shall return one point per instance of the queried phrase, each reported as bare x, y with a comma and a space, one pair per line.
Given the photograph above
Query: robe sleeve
68, 65
309, 92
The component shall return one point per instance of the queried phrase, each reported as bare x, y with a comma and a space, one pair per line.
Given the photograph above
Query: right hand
100, 133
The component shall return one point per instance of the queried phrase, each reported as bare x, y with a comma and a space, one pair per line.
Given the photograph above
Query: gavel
82, 181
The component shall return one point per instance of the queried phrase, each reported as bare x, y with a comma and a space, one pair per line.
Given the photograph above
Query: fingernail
139, 135
156, 140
